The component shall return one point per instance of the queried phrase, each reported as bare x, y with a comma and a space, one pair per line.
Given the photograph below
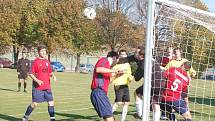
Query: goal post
148, 60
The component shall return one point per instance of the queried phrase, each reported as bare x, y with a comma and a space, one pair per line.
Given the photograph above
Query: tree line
61, 26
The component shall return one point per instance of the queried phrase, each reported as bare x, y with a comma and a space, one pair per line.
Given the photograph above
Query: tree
196, 40
85, 39
113, 23
65, 28
28, 34
5, 42
53, 28
10, 14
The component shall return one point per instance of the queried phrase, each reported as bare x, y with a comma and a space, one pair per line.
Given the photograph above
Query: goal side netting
193, 31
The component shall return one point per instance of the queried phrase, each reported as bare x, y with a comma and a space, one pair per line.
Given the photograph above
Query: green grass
72, 99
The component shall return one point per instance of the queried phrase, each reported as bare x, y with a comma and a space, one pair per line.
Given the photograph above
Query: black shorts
156, 91
122, 93
23, 75
156, 95
139, 91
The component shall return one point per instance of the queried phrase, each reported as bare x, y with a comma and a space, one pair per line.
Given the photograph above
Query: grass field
72, 102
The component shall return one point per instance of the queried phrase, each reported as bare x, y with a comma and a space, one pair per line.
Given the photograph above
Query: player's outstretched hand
119, 72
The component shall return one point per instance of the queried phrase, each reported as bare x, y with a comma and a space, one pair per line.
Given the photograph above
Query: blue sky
210, 4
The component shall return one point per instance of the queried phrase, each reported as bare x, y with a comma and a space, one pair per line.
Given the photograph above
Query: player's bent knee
34, 104
139, 96
109, 119
127, 103
51, 103
155, 107
119, 103
187, 115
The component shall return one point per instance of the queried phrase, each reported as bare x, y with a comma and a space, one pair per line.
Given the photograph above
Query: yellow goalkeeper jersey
178, 63
126, 77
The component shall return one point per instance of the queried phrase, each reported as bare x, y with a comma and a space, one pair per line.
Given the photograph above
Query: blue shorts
179, 106
41, 95
101, 103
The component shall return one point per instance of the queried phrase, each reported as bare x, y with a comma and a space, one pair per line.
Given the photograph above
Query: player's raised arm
104, 70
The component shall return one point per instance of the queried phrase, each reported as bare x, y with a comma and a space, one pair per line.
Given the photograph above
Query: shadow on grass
120, 112
76, 117
202, 114
205, 101
4, 89
9, 118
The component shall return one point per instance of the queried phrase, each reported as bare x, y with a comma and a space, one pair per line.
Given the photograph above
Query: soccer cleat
163, 117
24, 119
173, 120
137, 116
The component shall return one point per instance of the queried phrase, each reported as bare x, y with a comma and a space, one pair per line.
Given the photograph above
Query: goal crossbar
188, 12
185, 7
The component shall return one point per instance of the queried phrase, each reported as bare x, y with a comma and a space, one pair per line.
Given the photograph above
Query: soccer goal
172, 24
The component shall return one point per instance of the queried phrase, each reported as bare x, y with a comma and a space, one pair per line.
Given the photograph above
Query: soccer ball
90, 13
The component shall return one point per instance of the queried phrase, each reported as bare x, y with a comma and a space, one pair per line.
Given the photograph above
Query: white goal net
193, 31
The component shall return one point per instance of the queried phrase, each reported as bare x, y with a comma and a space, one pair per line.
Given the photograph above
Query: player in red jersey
101, 80
41, 90
177, 82
165, 59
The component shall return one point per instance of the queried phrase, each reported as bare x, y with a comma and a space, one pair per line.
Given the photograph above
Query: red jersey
41, 69
101, 80
177, 82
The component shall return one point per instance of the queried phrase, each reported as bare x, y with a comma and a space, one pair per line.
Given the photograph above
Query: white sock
124, 112
139, 106
156, 115
114, 107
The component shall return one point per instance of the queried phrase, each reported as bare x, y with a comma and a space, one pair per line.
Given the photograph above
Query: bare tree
114, 23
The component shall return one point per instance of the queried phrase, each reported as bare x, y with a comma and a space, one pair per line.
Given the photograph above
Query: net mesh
192, 30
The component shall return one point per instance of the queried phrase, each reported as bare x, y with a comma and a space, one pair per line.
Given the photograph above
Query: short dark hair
187, 65
177, 48
140, 47
142, 52
112, 54
122, 50
40, 47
